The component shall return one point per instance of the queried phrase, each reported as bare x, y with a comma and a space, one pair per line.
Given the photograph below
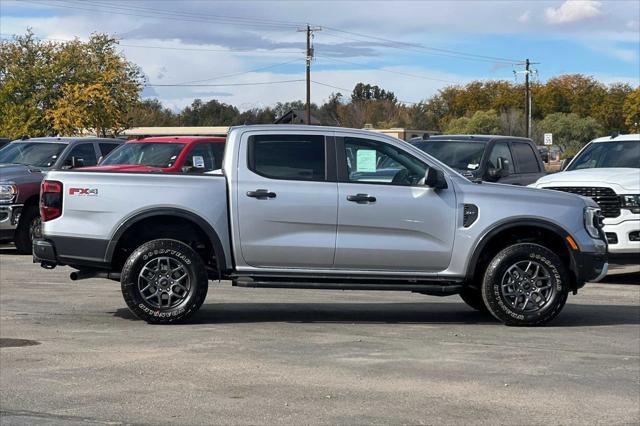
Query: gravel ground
270, 356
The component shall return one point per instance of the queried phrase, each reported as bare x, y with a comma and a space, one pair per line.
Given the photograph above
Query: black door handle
261, 194
361, 198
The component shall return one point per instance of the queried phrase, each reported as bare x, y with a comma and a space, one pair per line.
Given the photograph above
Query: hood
623, 178
124, 168
19, 173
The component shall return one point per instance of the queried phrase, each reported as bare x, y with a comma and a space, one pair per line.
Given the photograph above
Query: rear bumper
75, 252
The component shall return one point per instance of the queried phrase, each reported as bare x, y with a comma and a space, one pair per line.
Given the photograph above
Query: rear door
84, 153
388, 220
287, 200
528, 167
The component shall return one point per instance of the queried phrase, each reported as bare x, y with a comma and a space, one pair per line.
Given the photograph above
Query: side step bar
434, 289
84, 274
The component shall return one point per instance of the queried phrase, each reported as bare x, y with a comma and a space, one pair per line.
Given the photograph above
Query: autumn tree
631, 110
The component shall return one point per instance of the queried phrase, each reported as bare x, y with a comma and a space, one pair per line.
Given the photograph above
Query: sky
251, 53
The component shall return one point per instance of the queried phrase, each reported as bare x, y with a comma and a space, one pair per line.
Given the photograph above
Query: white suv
608, 170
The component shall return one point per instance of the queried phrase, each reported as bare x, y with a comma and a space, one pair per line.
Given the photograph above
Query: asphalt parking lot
265, 356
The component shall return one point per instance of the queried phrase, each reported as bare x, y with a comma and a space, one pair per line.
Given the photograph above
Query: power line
239, 73
225, 84
424, 77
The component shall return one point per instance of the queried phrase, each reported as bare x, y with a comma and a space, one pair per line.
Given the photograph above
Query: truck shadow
574, 315
626, 278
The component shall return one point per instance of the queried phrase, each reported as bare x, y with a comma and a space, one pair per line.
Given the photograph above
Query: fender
502, 226
184, 214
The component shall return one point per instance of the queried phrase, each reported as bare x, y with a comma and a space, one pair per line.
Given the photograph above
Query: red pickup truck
178, 154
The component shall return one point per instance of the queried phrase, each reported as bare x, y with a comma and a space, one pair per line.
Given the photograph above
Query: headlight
8, 192
631, 202
593, 221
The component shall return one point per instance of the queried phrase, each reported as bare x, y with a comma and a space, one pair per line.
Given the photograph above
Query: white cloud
573, 11
525, 17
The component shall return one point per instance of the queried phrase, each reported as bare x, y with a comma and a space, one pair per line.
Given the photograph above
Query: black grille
606, 198
612, 238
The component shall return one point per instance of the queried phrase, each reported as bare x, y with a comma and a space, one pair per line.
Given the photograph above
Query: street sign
548, 138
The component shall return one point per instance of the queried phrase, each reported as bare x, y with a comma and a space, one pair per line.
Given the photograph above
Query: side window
527, 160
500, 149
291, 157
85, 155
106, 148
370, 161
201, 157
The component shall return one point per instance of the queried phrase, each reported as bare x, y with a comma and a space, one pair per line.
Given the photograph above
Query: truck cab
500, 159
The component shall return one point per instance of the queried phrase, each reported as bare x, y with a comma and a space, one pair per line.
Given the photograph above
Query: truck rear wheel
164, 281
525, 285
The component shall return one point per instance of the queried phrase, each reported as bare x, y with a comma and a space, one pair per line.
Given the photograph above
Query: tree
481, 122
368, 92
631, 111
570, 131
150, 112
65, 87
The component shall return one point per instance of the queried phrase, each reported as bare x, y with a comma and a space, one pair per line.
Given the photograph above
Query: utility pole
527, 93
309, 30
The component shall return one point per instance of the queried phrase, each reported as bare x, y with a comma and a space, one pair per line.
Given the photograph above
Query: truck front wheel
164, 281
525, 285
29, 228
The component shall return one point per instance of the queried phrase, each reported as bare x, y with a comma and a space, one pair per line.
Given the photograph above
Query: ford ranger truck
311, 207
608, 171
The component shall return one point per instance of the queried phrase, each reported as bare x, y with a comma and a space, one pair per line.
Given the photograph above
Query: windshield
608, 154
41, 154
152, 154
460, 155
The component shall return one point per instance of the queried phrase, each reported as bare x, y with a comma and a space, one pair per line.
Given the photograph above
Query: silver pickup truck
322, 208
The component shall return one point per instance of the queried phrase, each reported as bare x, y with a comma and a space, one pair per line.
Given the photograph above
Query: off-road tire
473, 298
494, 296
191, 263
29, 218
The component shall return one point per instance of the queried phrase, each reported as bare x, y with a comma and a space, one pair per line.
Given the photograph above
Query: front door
287, 201
387, 218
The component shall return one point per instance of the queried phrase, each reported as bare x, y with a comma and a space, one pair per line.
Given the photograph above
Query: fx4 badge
84, 191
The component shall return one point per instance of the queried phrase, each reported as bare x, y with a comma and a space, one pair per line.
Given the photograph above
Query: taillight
50, 200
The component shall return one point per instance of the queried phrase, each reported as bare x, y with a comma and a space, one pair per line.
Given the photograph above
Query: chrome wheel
527, 286
164, 282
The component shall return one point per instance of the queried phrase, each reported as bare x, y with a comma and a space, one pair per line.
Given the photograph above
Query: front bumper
9, 218
590, 267
622, 237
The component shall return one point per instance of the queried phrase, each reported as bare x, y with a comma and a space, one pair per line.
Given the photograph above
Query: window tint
292, 157
527, 160
500, 149
106, 148
377, 162
209, 155
84, 154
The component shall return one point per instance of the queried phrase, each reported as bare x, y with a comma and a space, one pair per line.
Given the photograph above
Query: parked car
290, 210
22, 167
502, 159
166, 154
608, 171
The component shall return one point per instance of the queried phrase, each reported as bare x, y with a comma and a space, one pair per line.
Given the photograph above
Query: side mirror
501, 170
435, 179
564, 163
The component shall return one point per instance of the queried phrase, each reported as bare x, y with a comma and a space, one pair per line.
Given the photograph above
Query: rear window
290, 157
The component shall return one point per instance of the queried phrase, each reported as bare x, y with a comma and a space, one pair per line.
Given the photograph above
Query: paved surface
258, 356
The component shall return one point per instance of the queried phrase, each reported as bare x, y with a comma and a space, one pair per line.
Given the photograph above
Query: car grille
606, 198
